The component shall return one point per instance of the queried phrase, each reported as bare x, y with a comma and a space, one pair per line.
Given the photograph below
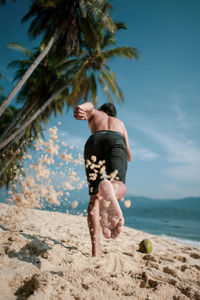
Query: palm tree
46, 79
92, 67
42, 82
81, 74
60, 22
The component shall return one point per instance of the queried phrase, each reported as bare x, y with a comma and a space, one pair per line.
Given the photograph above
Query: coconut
145, 246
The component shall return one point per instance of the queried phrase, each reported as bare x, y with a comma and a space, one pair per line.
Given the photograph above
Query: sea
177, 219
184, 231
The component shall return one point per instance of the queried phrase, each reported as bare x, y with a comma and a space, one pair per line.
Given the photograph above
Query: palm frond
19, 47
105, 88
112, 84
120, 25
69, 63
19, 64
86, 88
108, 40
101, 10
111, 72
90, 32
128, 52
82, 70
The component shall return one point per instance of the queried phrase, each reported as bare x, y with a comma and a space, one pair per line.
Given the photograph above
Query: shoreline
188, 242
47, 255
185, 240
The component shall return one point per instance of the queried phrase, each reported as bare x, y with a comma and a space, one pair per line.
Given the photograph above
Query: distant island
186, 208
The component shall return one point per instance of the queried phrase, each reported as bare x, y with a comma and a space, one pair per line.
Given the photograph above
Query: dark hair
109, 109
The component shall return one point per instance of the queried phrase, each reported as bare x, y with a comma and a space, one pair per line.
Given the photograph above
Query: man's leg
119, 188
111, 217
94, 225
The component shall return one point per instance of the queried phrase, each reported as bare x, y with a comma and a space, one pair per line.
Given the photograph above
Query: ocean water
184, 231
184, 228
178, 220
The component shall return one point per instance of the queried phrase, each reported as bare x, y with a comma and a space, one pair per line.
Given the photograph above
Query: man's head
109, 109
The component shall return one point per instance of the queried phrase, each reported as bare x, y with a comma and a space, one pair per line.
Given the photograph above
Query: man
106, 149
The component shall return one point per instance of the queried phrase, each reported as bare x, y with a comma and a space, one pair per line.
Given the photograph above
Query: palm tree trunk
35, 115
28, 73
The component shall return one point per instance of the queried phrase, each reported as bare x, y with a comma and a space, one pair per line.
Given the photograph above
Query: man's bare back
99, 120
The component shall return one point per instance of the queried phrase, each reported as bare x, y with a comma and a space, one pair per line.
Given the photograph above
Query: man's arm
84, 111
127, 143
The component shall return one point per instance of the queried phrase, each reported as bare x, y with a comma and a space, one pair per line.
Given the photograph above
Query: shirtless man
108, 145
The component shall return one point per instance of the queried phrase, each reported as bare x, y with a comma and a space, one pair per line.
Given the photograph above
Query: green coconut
145, 246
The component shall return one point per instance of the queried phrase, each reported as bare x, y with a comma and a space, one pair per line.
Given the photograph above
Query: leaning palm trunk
34, 116
28, 73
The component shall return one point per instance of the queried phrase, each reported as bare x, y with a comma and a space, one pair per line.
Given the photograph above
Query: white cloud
179, 151
140, 152
144, 154
176, 190
180, 114
182, 154
189, 173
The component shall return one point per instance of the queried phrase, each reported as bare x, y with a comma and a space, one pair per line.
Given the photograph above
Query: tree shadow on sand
36, 249
31, 251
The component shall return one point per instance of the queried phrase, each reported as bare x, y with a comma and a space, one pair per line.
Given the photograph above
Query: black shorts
106, 148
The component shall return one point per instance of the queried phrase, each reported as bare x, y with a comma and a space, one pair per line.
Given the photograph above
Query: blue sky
162, 91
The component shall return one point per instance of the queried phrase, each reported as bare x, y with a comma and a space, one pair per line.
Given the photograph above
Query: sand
47, 255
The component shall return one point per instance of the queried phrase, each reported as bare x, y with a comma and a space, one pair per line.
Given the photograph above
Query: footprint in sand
181, 258
170, 271
111, 217
195, 255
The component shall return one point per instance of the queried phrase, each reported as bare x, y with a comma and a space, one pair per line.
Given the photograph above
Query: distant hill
186, 208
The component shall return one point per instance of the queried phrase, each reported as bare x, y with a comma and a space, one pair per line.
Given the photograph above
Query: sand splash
51, 173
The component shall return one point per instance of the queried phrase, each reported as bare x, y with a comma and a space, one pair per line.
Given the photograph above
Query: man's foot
111, 217
97, 253
116, 232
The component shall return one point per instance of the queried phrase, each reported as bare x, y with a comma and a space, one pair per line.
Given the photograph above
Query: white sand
47, 255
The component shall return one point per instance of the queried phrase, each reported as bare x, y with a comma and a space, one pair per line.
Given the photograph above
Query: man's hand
80, 113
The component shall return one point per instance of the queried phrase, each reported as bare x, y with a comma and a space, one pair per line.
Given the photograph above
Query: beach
47, 255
